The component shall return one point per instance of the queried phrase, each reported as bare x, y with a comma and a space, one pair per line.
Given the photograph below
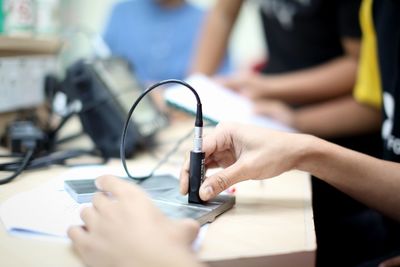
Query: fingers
89, 216
184, 177
210, 144
228, 82
101, 202
117, 187
79, 238
77, 234
219, 140
276, 110
221, 181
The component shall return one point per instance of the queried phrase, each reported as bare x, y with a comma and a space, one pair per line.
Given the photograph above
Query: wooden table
271, 224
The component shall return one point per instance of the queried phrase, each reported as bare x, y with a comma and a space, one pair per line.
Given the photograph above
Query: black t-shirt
305, 33
386, 15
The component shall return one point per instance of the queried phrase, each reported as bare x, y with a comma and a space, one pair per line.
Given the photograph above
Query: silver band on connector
198, 139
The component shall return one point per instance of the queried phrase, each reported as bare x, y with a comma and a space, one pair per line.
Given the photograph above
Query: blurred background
91, 16
77, 22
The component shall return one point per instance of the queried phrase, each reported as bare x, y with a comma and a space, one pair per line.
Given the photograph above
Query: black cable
171, 152
176, 146
178, 143
87, 108
12, 155
21, 167
58, 157
198, 123
69, 138
63, 121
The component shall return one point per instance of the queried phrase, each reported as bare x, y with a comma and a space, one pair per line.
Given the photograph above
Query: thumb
189, 230
220, 181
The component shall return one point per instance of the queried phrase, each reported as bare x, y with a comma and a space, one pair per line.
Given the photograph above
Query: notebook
219, 103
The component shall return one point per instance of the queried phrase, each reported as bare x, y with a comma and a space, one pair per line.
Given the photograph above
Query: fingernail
206, 192
97, 184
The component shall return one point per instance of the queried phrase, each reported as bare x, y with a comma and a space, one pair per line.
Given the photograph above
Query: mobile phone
81, 191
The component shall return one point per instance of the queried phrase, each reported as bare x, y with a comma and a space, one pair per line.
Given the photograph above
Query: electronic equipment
197, 161
164, 191
21, 81
106, 89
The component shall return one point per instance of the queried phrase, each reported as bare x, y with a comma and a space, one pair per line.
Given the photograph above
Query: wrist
308, 153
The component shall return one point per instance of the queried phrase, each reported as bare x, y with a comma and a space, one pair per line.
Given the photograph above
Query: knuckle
73, 233
123, 191
98, 200
222, 182
84, 212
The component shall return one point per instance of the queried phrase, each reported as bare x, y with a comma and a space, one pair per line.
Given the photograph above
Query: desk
271, 223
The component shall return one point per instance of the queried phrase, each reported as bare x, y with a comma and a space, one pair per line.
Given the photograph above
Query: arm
215, 36
247, 152
335, 118
371, 181
326, 81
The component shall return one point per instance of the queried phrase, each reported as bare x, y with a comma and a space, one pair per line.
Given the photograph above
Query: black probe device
197, 156
196, 166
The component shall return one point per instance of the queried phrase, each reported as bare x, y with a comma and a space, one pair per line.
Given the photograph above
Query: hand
393, 262
124, 228
249, 84
245, 152
275, 109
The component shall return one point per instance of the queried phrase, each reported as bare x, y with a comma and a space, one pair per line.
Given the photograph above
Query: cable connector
23, 136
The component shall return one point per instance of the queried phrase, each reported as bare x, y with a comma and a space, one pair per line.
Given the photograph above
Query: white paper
48, 210
42, 211
219, 103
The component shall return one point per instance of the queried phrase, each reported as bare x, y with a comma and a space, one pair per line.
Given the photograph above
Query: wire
178, 143
171, 152
59, 157
21, 167
12, 155
198, 123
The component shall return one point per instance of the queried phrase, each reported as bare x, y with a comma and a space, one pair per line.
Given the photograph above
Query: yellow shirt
368, 89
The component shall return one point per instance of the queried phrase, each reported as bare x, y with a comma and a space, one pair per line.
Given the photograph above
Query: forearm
336, 118
372, 181
214, 37
326, 81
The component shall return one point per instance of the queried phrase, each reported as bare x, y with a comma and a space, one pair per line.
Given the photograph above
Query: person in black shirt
313, 48
312, 44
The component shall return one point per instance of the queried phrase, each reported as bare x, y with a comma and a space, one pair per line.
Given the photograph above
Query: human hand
392, 262
126, 229
245, 152
247, 84
275, 109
